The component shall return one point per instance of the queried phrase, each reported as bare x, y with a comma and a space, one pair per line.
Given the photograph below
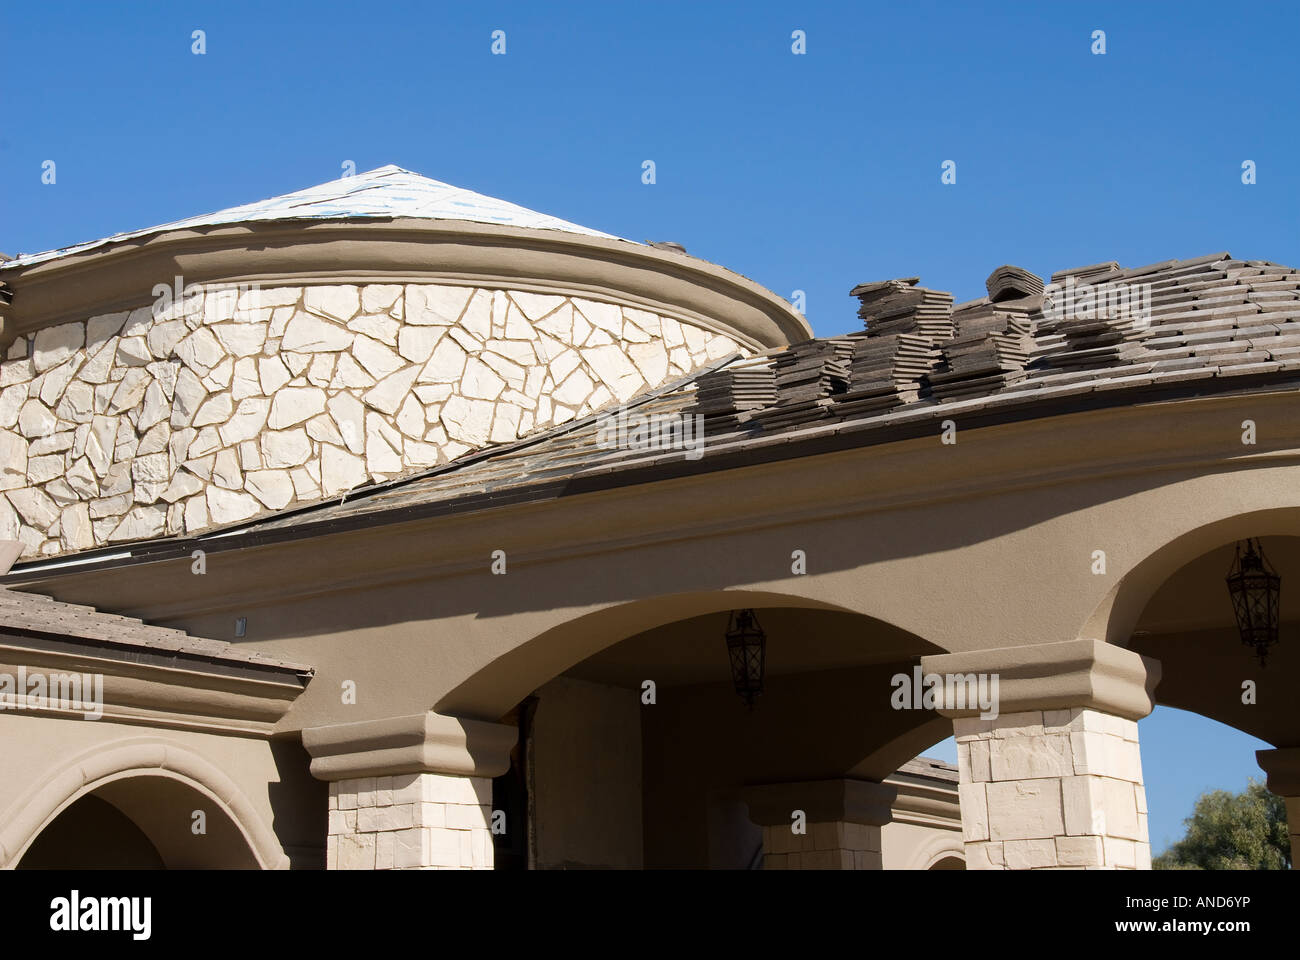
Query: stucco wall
262, 785
221, 404
586, 750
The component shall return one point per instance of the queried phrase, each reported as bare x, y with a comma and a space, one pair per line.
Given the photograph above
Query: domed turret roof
388, 192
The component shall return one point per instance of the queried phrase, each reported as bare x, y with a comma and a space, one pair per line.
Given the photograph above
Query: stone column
410, 792
841, 820
1283, 768
1054, 780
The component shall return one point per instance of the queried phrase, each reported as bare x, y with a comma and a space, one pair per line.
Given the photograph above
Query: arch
1114, 619
934, 847
494, 689
117, 773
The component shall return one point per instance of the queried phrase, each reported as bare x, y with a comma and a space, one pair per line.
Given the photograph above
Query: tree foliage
1232, 831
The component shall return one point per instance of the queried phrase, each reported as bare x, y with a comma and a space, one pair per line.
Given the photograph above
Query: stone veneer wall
229, 402
1052, 789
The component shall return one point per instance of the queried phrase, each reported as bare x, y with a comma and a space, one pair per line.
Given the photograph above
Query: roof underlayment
388, 193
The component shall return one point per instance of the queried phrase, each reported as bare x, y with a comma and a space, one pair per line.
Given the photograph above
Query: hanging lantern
747, 647
1255, 588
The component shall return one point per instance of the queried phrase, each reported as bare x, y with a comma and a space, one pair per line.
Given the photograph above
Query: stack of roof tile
989, 352
726, 395
900, 306
807, 374
904, 325
1012, 283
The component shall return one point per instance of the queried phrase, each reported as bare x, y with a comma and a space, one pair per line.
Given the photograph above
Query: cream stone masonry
833, 845
414, 821
1056, 788
1055, 780
841, 819
233, 402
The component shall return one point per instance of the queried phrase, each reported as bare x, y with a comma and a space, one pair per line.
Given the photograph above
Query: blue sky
812, 172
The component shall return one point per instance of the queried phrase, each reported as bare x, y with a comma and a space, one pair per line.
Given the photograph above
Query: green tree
1232, 831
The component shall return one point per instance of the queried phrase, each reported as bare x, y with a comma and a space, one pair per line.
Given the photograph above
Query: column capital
1283, 768
822, 801
422, 743
1051, 676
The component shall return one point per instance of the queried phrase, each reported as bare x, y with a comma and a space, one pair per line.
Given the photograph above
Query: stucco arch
112, 770
495, 688
1114, 618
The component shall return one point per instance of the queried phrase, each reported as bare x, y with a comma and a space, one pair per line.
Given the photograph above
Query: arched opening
1216, 701
949, 863
640, 753
92, 834
140, 822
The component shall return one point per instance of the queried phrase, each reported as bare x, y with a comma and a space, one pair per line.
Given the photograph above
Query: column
410, 792
1054, 780
841, 821
1283, 768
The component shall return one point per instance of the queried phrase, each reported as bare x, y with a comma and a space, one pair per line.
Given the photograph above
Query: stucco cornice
158, 694
422, 743
1054, 676
122, 275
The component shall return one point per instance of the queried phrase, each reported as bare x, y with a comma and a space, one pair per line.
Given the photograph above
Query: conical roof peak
388, 192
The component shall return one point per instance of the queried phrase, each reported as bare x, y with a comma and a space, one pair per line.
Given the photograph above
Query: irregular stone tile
286, 448
216, 409
241, 339
272, 487
468, 420
34, 506
383, 447
339, 302
383, 328
477, 319
155, 440
306, 333
132, 352
247, 422
130, 390
53, 345
606, 316
428, 304
379, 297
184, 484
377, 359
416, 343
200, 351
36, 420
480, 381
293, 405
341, 470
230, 506
104, 327
348, 374
322, 369
97, 368
349, 415
389, 392
226, 470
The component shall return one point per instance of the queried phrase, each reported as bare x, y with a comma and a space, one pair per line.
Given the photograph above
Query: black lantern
747, 647
1255, 587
